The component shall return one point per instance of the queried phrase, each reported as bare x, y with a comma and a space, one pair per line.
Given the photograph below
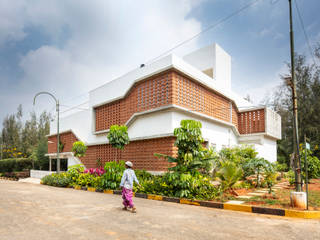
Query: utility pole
297, 160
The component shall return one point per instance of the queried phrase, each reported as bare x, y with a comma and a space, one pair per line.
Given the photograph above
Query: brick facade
166, 88
252, 121
141, 152
67, 139
170, 87
151, 93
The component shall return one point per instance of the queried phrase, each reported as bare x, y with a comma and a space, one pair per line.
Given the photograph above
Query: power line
206, 29
304, 32
75, 107
72, 98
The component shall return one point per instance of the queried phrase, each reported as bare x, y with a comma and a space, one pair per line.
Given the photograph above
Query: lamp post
58, 139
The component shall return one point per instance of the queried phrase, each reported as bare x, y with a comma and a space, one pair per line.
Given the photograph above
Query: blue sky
69, 47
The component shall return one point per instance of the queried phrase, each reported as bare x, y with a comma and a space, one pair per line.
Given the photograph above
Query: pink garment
127, 197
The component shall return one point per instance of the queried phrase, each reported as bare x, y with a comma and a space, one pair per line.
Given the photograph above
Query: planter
77, 187
298, 200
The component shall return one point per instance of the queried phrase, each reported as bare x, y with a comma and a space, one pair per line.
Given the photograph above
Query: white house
153, 99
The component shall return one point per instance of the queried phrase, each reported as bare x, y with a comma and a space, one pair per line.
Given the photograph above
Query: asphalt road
31, 211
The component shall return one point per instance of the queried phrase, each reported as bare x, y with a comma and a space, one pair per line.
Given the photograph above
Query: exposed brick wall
141, 152
151, 93
66, 138
191, 95
170, 87
251, 121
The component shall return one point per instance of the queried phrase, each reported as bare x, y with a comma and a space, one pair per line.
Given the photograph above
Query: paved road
30, 211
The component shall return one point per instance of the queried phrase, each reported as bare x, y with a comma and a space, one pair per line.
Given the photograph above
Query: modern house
153, 99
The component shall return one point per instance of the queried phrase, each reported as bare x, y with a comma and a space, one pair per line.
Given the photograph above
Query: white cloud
100, 40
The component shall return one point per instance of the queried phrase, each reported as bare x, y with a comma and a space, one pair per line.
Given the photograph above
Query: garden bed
280, 198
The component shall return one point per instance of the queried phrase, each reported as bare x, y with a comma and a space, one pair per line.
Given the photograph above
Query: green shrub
15, 164
229, 174
291, 177
182, 185
313, 164
241, 156
112, 178
57, 180
143, 175
79, 149
89, 180
74, 172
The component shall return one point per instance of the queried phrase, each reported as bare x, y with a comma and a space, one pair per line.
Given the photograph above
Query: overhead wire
189, 39
304, 32
206, 29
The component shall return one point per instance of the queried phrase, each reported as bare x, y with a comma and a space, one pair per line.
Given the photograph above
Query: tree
21, 139
118, 136
79, 149
308, 93
192, 156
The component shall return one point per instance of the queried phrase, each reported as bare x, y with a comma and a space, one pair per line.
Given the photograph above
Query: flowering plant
97, 171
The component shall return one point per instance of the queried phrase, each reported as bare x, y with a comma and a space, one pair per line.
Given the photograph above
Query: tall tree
308, 93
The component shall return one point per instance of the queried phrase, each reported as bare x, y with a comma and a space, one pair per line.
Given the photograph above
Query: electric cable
206, 29
304, 32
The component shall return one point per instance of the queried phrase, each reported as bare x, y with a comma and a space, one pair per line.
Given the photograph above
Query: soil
314, 185
243, 191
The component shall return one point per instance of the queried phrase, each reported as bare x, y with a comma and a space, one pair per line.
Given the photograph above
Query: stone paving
258, 192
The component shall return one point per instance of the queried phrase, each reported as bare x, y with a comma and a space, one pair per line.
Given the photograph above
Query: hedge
15, 164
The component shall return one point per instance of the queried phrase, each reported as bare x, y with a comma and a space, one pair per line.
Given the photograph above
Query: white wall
213, 57
152, 124
268, 149
215, 133
273, 123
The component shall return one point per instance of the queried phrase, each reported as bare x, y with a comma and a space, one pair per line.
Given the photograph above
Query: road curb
227, 206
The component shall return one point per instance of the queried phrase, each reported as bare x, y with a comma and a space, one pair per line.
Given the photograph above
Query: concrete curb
226, 206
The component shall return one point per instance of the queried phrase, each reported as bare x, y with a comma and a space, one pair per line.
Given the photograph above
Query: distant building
153, 99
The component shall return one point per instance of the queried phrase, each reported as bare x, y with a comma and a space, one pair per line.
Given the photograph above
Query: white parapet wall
39, 173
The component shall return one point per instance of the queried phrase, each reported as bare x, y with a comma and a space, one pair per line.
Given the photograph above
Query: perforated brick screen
141, 153
252, 121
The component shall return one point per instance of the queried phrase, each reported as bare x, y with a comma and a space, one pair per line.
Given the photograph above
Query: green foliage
118, 136
192, 156
281, 167
241, 156
143, 174
258, 165
313, 164
188, 140
15, 164
57, 180
291, 177
308, 94
112, 178
38, 156
89, 180
79, 149
20, 138
270, 176
229, 173
182, 185
74, 172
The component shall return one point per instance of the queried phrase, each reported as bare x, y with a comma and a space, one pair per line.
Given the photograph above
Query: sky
70, 47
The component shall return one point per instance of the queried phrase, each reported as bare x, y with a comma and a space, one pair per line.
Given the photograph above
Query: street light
58, 139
